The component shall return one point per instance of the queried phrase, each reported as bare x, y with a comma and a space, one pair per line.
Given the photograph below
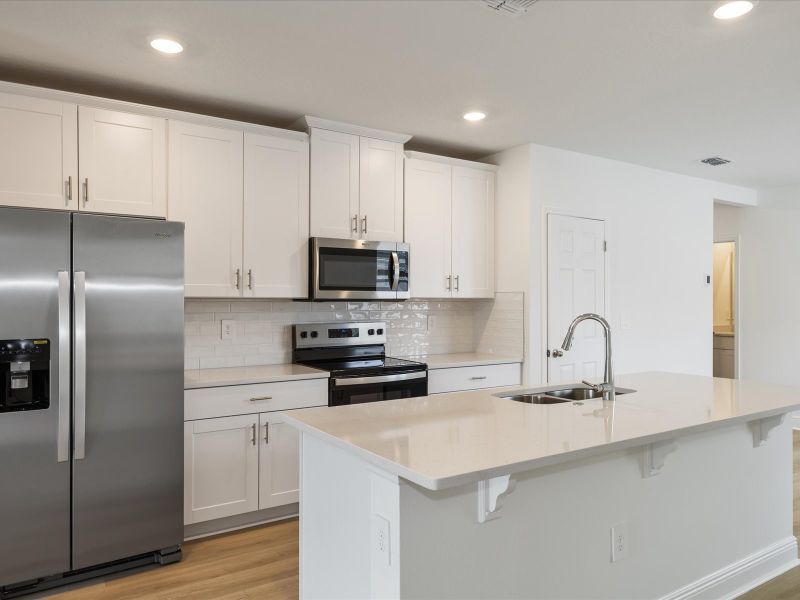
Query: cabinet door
381, 190
275, 217
205, 192
473, 233
220, 467
428, 187
334, 184
123, 163
38, 153
279, 462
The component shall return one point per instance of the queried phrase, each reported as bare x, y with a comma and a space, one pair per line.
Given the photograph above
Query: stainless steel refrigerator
91, 409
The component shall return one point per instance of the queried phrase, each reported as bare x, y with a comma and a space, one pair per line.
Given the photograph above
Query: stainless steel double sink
559, 395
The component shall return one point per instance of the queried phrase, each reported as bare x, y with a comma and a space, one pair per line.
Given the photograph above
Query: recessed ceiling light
166, 46
475, 116
731, 10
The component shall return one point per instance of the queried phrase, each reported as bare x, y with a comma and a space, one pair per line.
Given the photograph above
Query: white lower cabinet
245, 462
220, 467
460, 379
278, 462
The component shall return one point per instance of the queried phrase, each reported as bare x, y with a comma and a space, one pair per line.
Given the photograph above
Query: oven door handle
395, 271
350, 381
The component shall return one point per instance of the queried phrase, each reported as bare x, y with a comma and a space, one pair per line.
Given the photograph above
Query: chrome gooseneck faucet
607, 387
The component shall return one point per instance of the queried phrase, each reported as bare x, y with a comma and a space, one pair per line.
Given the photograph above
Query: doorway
724, 324
576, 284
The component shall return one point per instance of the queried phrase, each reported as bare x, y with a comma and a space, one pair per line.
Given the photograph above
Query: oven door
357, 390
358, 270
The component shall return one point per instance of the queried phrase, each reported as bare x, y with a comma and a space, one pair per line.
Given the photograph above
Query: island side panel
349, 531
716, 502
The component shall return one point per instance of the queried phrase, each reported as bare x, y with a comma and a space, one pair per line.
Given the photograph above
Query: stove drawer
459, 379
208, 403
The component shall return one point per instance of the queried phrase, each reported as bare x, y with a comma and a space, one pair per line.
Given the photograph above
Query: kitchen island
469, 495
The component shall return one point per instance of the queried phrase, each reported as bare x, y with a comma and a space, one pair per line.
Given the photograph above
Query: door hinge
605, 246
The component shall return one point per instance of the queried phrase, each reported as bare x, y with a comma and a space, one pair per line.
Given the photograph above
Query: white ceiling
654, 82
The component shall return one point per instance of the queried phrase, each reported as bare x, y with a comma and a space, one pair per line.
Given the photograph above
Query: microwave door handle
395, 271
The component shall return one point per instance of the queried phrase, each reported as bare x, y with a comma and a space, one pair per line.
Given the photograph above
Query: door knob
557, 353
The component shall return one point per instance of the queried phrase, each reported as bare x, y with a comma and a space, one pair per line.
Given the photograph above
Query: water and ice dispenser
25, 375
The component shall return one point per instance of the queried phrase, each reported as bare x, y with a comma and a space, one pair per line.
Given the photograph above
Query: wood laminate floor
262, 563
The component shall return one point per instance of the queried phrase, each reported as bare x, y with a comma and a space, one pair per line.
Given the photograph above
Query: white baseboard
737, 578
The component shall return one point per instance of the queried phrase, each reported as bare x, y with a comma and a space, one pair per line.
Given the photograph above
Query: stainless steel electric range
355, 356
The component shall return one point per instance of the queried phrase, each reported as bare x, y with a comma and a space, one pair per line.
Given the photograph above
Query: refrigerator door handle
80, 364
63, 366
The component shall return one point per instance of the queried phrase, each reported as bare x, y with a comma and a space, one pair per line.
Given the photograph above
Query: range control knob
314, 334
380, 331
304, 334
371, 332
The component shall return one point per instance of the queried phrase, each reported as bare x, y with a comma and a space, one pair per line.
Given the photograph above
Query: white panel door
123, 162
575, 285
473, 233
334, 185
38, 153
220, 467
428, 222
205, 192
279, 462
381, 190
275, 217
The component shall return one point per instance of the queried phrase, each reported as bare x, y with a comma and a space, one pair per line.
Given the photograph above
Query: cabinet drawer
207, 403
473, 378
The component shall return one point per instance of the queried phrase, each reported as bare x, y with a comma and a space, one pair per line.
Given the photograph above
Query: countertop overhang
446, 440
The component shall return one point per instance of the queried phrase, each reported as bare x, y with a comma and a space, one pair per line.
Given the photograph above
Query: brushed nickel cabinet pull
261, 399
238, 278
449, 282
364, 225
253, 440
69, 188
457, 282
249, 279
478, 378
355, 223
86, 190
266, 433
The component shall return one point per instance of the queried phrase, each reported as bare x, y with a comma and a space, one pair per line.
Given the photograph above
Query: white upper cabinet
276, 207
356, 181
428, 222
205, 192
38, 153
334, 184
449, 224
381, 190
278, 463
123, 163
473, 233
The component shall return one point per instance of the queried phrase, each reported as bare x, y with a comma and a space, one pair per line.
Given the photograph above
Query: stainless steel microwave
358, 270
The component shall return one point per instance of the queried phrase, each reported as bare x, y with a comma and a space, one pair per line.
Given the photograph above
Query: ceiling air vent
513, 8
715, 161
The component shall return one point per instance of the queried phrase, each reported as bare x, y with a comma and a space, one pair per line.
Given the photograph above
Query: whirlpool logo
162, 235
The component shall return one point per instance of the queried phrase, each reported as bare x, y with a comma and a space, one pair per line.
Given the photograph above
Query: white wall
769, 286
659, 227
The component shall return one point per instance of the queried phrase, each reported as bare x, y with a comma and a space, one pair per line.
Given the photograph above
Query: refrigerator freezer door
128, 479
34, 469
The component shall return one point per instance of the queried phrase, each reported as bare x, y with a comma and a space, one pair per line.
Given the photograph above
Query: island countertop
450, 439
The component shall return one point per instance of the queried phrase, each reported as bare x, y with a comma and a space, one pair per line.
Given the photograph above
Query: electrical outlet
620, 542
381, 532
228, 329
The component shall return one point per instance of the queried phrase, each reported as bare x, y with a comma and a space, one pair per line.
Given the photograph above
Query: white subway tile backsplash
414, 328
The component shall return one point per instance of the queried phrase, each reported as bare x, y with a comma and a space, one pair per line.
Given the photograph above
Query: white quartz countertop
465, 359
449, 439
205, 378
